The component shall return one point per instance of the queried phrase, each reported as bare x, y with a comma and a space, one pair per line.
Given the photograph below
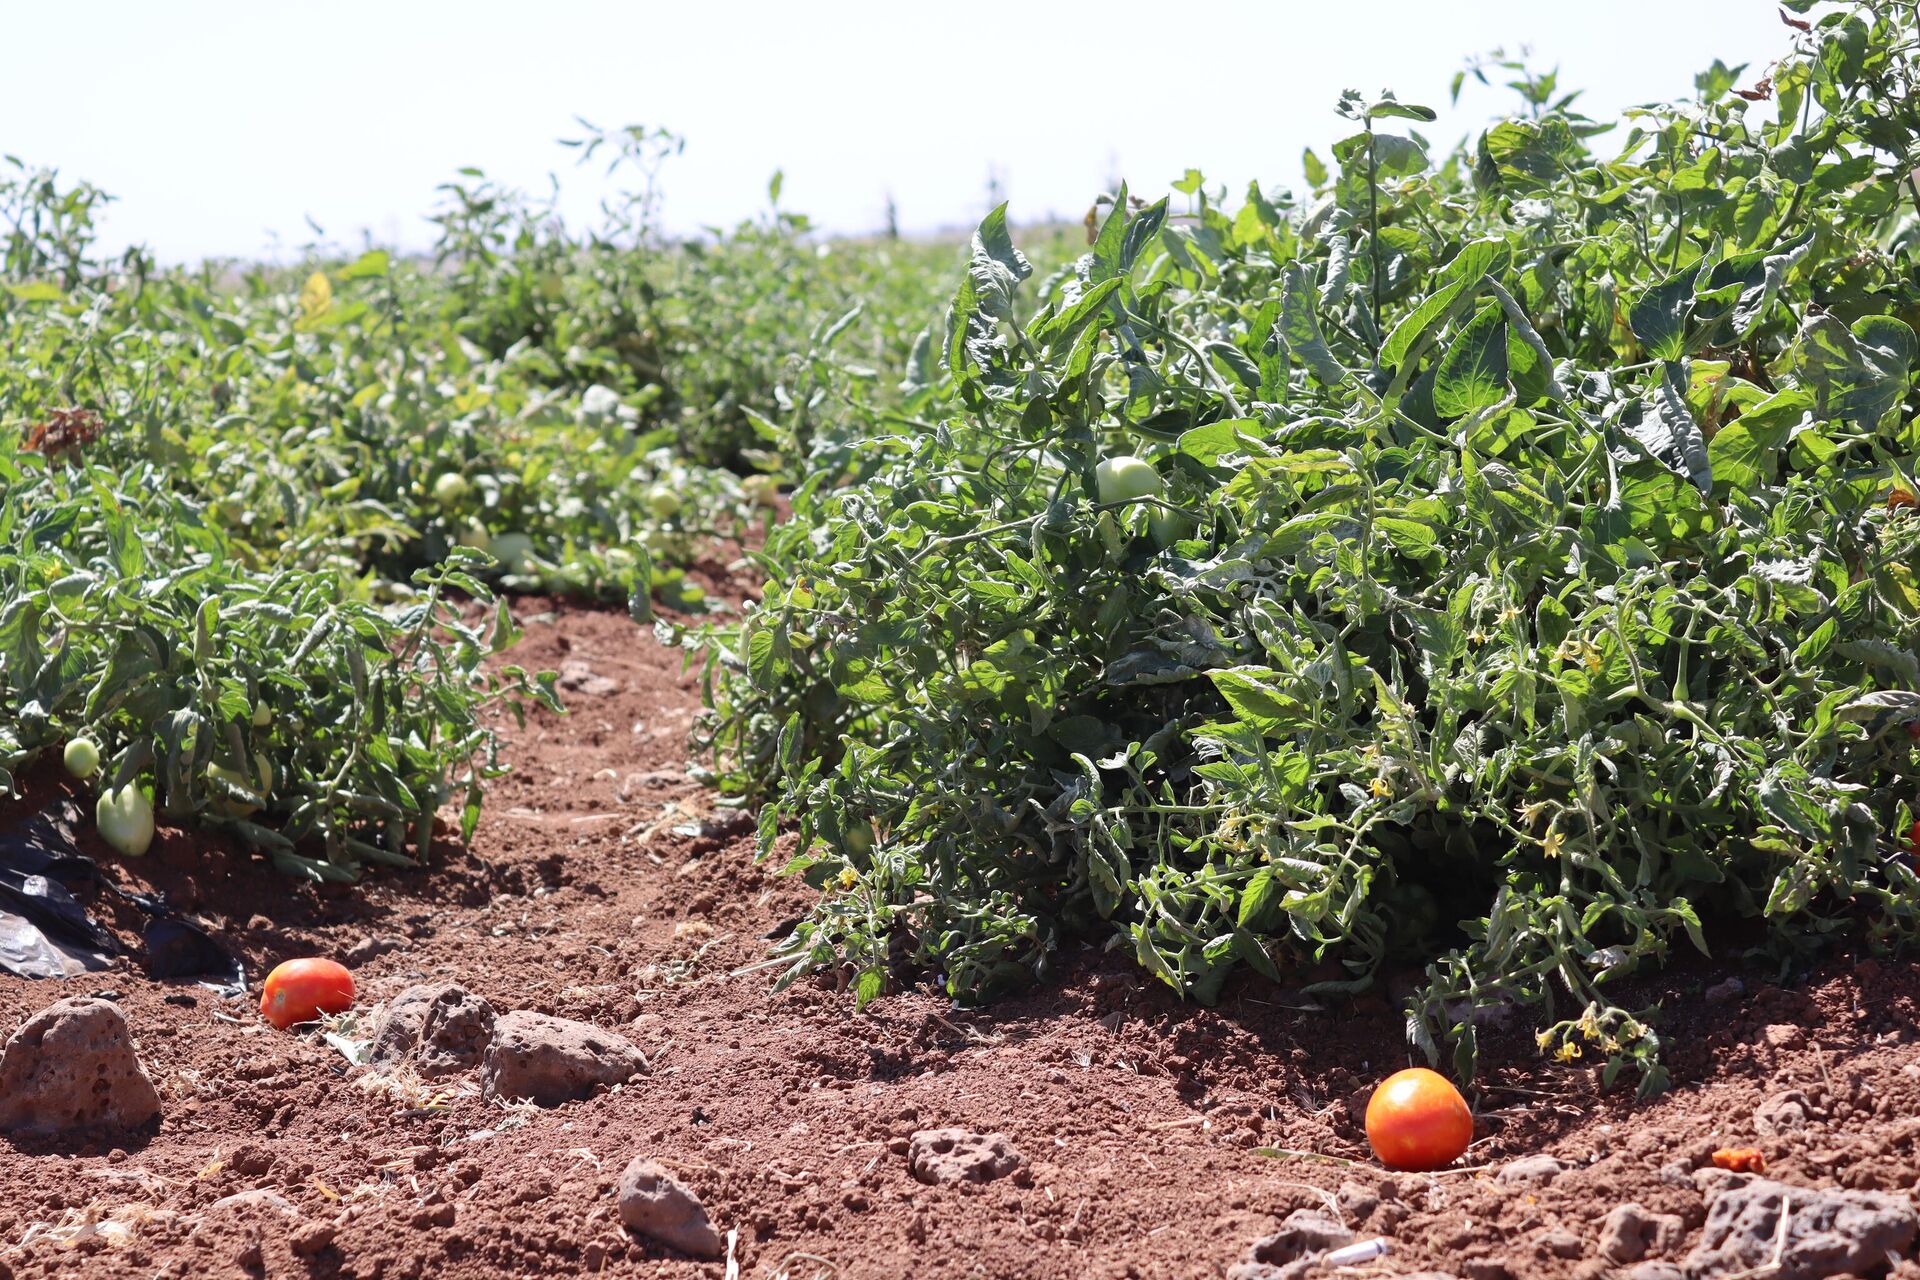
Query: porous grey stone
1656, 1271
440, 1028
1826, 1232
653, 1202
73, 1066
1559, 1244
1531, 1171
551, 1060
960, 1155
1784, 1112
1631, 1232
1291, 1252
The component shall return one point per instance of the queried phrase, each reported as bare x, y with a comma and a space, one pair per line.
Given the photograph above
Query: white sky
222, 125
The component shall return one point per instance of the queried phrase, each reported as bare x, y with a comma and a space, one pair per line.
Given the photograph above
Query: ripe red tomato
1740, 1160
1898, 498
1417, 1121
302, 990
1913, 837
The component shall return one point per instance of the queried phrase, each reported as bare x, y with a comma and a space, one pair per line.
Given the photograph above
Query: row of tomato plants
1500, 562
258, 520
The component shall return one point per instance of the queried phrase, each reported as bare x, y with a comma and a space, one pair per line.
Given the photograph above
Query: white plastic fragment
1357, 1252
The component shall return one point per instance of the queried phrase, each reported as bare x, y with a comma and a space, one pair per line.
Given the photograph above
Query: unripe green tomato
451, 489
859, 839
262, 715
512, 551
125, 819
1122, 479
475, 535
1168, 527
1125, 477
243, 808
663, 502
82, 757
763, 489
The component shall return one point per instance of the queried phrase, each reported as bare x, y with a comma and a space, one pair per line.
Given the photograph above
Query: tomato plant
133, 625
1417, 1121
302, 990
1541, 601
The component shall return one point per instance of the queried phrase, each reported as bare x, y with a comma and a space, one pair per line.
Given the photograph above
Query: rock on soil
1828, 1232
653, 1202
1531, 1171
1784, 1113
554, 1060
441, 1028
958, 1155
578, 677
1630, 1233
367, 950
1291, 1251
73, 1066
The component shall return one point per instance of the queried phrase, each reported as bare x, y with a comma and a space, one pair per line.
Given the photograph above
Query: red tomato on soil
1740, 1160
1417, 1121
302, 990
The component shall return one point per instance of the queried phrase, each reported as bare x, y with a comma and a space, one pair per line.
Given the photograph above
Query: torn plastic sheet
45, 932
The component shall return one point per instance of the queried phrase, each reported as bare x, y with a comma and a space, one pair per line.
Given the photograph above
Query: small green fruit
513, 551
1124, 478
663, 502
82, 757
231, 808
125, 819
1168, 527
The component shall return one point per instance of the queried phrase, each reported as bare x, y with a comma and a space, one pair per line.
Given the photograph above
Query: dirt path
600, 888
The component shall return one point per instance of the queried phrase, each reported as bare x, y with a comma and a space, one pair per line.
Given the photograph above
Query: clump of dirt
1153, 1138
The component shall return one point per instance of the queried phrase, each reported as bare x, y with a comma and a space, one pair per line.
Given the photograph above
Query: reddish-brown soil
603, 886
